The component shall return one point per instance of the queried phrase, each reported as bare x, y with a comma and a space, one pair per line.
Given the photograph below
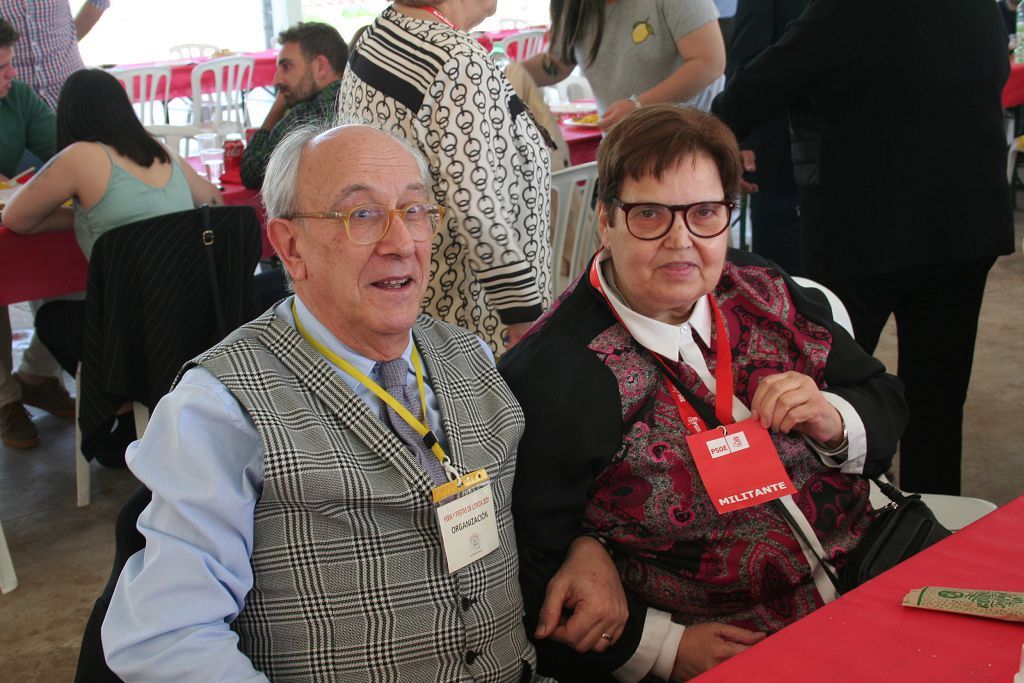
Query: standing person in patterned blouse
309, 68
49, 45
418, 73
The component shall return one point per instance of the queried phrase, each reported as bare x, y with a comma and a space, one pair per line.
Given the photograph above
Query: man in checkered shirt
48, 51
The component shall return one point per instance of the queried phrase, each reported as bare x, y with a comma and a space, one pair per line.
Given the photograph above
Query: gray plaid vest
350, 580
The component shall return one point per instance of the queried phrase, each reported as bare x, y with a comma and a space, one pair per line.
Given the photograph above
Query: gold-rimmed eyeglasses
368, 223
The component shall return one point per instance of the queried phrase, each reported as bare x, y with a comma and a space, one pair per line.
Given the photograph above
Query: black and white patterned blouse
437, 88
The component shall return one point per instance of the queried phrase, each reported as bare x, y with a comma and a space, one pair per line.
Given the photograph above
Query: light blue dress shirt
170, 615
726, 8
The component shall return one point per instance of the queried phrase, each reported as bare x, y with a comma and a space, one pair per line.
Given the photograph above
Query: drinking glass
212, 155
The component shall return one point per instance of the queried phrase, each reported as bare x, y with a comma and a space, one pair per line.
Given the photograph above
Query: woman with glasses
672, 370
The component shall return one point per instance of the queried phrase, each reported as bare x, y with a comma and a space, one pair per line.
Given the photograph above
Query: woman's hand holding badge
791, 400
588, 584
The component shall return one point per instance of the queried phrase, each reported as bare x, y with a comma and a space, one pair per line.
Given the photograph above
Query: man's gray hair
280, 183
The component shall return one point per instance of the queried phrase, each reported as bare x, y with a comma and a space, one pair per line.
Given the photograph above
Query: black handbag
902, 528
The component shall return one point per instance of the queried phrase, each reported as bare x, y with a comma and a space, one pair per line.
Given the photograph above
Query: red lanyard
445, 20
723, 368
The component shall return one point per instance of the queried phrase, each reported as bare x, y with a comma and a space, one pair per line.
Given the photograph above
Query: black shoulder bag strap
211, 269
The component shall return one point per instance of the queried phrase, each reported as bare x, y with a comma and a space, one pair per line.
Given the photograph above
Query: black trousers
776, 232
936, 309
60, 326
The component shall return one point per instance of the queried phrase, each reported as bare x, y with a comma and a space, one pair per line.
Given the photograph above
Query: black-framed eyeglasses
651, 221
368, 223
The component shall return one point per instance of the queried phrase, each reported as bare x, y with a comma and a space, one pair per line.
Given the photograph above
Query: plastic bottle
1018, 50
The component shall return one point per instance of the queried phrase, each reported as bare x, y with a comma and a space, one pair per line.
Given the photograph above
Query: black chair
161, 291
92, 666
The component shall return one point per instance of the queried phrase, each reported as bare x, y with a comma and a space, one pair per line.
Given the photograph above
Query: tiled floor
63, 553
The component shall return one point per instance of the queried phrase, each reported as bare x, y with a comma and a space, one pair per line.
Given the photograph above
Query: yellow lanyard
421, 427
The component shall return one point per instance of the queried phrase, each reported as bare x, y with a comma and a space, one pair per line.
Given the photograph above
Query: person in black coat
775, 207
899, 154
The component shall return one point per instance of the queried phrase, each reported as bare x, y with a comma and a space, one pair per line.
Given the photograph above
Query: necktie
394, 374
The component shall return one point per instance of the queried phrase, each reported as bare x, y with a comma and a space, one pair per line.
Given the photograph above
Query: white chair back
194, 50
953, 512
574, 237
222, 110
839, 312
8, 579
174, 136
146, 87
527, 44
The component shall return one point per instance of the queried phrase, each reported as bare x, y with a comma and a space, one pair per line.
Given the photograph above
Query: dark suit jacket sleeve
783, 74
860, 379
752, 32
573, 428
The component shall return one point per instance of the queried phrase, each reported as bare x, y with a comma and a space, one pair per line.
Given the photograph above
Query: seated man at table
292, 532
309, 69
26, 123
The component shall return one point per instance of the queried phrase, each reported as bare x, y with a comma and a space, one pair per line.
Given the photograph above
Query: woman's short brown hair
416, 3
653, 139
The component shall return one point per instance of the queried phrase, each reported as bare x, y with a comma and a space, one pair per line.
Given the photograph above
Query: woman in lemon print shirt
635, 52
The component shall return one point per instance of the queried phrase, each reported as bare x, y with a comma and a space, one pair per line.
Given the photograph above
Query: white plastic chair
8, 579
839, 312
146, 86
574, 237
194, 50
174, 136
222, 110
527, 44
953, 512
83, 468
513, 24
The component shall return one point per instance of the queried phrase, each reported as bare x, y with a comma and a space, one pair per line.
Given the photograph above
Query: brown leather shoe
16, 427
50, 396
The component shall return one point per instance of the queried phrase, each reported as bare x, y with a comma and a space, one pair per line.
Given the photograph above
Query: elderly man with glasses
331, 483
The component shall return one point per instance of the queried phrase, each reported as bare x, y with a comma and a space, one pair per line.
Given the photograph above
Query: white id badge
465, 518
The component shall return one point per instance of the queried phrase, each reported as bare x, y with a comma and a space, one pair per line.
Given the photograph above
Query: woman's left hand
791, 400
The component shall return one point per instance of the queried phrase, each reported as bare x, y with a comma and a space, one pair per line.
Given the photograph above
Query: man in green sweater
26, 123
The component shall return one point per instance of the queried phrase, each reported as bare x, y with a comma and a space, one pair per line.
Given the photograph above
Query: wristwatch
634, 100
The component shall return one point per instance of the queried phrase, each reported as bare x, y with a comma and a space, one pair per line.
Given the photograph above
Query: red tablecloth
867, 635
181, 71
582, 142
51, 264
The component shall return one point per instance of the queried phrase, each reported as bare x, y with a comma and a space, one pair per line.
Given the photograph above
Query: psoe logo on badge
728, 444
474, 543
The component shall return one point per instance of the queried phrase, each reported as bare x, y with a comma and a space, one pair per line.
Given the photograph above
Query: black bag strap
211, 268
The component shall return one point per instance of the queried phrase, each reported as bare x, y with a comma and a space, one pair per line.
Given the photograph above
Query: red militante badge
740, 467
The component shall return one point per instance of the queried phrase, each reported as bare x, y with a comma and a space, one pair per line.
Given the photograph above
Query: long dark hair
93, 107
570, 22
